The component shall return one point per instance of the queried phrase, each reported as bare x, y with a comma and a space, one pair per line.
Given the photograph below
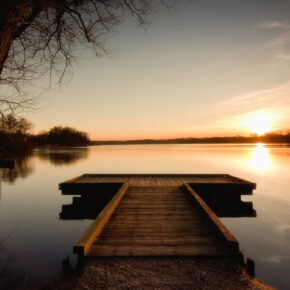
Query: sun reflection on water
260, 158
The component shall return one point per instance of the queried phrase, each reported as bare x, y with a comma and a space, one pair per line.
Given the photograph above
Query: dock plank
146, 225
161, 179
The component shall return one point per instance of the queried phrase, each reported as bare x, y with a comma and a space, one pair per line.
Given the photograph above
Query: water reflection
22, 169
260, 158
62, 156
44, 240
24, 165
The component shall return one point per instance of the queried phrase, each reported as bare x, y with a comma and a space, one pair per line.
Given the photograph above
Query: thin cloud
280, 41
272, 97
274, 101
279, 44
274, 24
228, 116
284, 56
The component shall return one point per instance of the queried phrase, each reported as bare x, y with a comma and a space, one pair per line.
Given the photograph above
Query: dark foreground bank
160, 273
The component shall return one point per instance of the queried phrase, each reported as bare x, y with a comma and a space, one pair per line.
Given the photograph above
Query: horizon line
251, 136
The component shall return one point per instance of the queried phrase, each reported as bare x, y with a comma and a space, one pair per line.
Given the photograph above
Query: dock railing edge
253, 184
82, 246
213, 217
60, 186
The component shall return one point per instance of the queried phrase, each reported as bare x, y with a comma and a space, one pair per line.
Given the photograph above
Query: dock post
251, 267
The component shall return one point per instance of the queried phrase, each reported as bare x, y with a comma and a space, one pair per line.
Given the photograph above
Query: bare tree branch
44, 37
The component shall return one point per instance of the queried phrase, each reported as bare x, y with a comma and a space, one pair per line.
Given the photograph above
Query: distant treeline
61, 136
15, 136
273, 137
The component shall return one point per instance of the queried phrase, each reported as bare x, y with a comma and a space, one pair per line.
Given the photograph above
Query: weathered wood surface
160, 221
154, 180
87, 239
158, 214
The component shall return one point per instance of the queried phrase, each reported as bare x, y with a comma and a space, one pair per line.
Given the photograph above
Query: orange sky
194, 73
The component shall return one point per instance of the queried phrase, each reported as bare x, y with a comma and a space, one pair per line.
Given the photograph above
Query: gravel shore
160, 273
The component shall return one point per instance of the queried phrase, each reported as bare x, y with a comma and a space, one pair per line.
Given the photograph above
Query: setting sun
260, 123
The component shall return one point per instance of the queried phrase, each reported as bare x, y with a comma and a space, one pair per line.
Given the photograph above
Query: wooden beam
72, 180
213, 217
84, 243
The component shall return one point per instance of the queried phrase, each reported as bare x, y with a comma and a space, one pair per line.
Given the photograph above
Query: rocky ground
160, 273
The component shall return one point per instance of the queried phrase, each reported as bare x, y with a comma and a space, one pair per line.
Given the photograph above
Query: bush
62, 136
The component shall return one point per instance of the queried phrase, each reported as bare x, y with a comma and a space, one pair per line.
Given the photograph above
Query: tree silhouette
62, 136
39, 37
14, 134
12, 125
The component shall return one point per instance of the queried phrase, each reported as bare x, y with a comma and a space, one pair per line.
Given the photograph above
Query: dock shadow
91, 200
225, 201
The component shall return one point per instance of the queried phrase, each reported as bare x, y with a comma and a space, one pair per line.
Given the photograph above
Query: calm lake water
37, 240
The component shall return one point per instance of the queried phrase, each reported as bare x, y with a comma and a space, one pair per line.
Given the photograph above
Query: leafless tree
40, 37
12, 125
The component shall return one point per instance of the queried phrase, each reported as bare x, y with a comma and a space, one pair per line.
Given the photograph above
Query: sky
206, 68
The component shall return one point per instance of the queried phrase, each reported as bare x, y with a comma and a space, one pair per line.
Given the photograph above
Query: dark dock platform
158, 214
4, 163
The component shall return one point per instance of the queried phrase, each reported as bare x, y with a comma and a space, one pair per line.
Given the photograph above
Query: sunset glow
260, 123
260, 158
179, 80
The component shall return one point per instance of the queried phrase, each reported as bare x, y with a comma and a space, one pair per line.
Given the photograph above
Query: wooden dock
157, 214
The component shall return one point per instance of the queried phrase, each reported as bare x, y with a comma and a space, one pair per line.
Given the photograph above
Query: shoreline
160, 273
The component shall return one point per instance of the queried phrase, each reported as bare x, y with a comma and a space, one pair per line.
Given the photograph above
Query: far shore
273, 138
